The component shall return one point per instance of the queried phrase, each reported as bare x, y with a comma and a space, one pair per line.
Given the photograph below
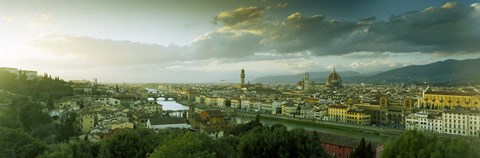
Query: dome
334, 79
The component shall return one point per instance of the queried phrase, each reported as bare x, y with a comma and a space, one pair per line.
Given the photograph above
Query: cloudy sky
211, 40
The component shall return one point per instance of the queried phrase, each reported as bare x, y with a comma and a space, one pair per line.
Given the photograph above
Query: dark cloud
225, 45
450, 29
240, 18
315, 33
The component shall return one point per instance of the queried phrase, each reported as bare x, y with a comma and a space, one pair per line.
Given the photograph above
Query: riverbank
375, 134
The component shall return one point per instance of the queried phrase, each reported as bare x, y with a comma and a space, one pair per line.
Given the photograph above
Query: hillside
442, 71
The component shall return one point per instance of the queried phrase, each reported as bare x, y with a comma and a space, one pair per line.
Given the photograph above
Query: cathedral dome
334, 79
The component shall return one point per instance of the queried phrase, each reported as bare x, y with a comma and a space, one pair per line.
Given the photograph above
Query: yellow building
122, 125
312, 100
338, 113
449, 100
86, 122
358, 117
289, 110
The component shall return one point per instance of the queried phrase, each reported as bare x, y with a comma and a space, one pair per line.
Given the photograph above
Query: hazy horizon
208, 41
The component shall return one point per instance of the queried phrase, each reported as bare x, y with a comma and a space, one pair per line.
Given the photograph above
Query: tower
334, 80
306, 81
242, 76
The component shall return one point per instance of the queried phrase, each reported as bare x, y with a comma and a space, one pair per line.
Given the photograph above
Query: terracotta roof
342, 140
338, 106
451, 93
167, 120
214, 113
333, 76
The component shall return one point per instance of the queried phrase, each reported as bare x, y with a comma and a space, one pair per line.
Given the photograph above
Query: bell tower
242, 76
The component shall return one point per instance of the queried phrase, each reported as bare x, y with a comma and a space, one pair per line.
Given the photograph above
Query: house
85, 122
212, 123
152, 107
109, 101
168, 122
341, 146
121, 125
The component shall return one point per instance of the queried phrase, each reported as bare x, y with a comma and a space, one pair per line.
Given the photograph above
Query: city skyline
168, 41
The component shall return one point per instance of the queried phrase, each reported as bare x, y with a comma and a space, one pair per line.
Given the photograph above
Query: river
170, 105
173, 105
330, 130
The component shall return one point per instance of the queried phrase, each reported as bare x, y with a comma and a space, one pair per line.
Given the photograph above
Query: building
121, 125
212, 123
424, 121
449, 100
455, 122
152, 107
109, 101
210, 101
235, 103
334, 80
337, 113
242, 76
341, 147
168, 122
359, 117
241, 85
289, 110
10, 70
306, 81
221, 102
28, 73
461, 122
85, 122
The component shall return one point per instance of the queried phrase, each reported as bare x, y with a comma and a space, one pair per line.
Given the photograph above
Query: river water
335, 131
170, 104
175, 106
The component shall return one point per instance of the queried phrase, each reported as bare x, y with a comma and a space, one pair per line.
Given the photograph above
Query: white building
221, 102
465, 123
277, 106
456, 122
424, 121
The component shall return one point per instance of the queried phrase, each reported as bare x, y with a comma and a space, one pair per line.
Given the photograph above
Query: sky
211, 40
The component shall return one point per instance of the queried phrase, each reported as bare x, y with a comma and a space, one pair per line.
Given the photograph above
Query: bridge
166, 96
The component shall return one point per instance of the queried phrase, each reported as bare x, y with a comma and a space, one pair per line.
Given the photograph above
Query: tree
188, 145
57, 151
32, 116
50, 104
78, 149
9, 118
419, 144
17, 143
67, 128
131, 143
228, 103
244, 128
363, 150
277, 141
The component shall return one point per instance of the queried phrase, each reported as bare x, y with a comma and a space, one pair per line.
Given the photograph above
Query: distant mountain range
442, 71
314, 76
